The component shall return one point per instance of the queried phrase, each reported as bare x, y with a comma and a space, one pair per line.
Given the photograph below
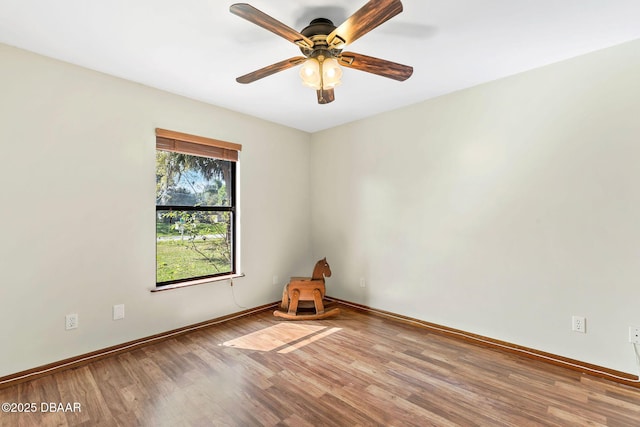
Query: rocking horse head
321, 270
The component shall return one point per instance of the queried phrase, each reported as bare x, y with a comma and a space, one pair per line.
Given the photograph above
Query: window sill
188, 283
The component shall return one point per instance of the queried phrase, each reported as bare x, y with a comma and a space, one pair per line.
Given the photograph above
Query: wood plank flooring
356, 369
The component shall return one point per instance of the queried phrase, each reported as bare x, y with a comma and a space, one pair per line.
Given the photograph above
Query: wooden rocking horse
305, 290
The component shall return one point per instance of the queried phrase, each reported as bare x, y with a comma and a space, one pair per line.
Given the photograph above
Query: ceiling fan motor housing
317, 31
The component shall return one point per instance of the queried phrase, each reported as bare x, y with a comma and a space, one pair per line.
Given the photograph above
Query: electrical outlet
579, 324
118, 311
71, 321
634, 334
362, 282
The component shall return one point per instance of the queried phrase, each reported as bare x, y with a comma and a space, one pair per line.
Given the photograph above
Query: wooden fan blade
378, 66
325, 96
369, 16
265, 21
271, 69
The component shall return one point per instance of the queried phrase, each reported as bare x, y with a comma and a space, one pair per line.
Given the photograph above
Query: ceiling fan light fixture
331, 73
310, 73
321, 73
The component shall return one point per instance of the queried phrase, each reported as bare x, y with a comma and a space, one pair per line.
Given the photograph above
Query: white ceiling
197, 48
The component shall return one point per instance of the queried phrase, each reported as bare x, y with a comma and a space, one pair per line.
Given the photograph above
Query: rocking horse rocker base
324, 315
306, 292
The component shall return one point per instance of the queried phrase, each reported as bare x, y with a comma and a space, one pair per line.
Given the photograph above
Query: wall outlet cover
71, 321
579, 324
118, 311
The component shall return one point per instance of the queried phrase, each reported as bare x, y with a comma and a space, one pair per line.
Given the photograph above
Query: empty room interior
468, 170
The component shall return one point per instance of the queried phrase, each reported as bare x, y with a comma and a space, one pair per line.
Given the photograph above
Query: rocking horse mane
321, 270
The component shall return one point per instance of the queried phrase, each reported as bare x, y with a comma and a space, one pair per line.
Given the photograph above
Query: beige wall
501, 210
77, 217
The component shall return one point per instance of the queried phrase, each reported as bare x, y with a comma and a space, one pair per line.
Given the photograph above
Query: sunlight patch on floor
283, 337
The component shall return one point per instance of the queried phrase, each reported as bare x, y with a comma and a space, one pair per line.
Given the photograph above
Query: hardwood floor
354, 369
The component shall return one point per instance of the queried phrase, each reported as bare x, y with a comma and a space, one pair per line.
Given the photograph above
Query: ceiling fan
321, 43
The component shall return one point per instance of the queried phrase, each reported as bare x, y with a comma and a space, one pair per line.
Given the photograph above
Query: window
195, 207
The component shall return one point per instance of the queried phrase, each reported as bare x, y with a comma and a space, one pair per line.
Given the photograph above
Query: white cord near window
234, 294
